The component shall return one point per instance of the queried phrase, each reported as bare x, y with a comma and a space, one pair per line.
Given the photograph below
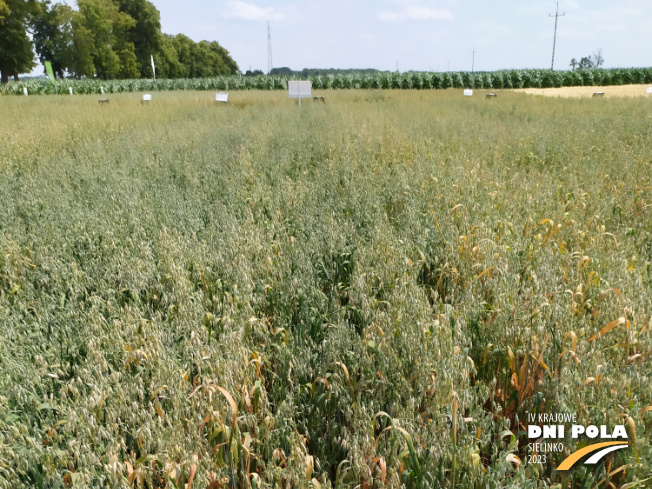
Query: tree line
306, 72
107, 39
588, 62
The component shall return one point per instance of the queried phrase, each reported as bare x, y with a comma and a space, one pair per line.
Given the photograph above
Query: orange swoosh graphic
574, 457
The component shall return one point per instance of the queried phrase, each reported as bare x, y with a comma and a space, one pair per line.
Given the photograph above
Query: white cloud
416, 13
249, 11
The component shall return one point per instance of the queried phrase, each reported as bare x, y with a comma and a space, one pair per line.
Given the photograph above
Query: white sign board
25, 90
299, 89
102, 90
222, 97
70, 90
649, 90
468, 93
147, 97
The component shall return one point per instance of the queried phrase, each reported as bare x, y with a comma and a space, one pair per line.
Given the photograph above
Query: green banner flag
48, 68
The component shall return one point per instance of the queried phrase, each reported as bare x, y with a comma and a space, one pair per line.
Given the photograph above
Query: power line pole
554, 39
472, 69
269, 48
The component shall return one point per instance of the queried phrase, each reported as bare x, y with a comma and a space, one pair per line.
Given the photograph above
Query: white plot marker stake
299, 89
70, 90
25, 91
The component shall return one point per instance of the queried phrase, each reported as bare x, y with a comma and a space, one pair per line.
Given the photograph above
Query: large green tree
113, 53
115, 39
53, 36
83, 48
224, 64
16, 55
202, 59
4, 10
146, 32
167, 60
64, 37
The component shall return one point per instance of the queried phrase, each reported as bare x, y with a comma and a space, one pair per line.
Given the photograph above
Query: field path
582, 92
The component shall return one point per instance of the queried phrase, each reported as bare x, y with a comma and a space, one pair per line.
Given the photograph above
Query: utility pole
472, 69
269, 48
554, 39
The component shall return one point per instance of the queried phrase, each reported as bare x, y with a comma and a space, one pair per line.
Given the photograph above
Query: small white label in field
70, 90
221, 97
649, 90
25, 90
468, 93
102, 90
299, 89
147, 97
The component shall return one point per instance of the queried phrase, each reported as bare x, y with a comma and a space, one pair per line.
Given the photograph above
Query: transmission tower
269, 48
554, 39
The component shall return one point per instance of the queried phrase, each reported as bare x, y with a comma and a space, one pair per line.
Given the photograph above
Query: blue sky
416, 34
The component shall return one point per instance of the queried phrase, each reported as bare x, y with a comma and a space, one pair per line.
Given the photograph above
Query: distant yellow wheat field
582, 92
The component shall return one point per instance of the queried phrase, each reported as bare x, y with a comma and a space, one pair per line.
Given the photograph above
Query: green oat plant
372, 292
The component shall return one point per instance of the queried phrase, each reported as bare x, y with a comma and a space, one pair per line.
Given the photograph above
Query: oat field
370, 292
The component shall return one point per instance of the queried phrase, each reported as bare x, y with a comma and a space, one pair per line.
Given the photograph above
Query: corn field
508, 79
